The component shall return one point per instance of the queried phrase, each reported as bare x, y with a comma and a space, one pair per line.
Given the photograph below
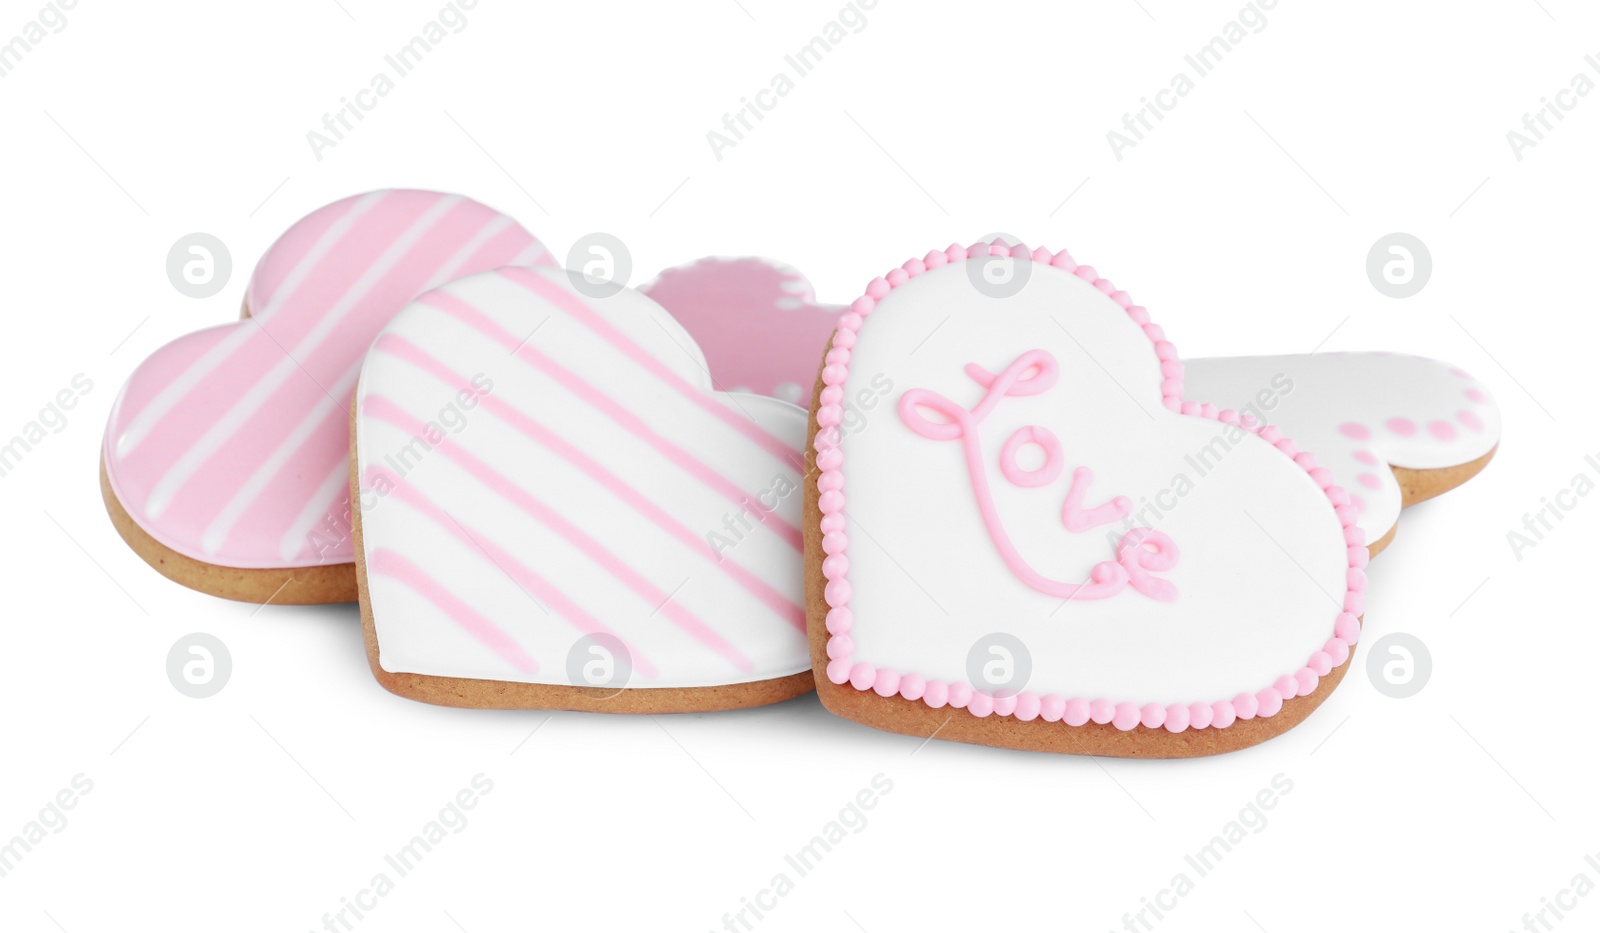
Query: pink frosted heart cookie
982, 562
757, 320
224, 462
1392, 429
558, 510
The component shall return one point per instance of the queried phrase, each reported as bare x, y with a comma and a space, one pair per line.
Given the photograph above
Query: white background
1242, 222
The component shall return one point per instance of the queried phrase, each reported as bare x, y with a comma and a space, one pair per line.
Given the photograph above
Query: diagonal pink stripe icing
300, 344
401, 348
395, 565
257, 499
587, 316
271, 491
337, 362
298, 252
383, 409
547, 592
322, 232
199, 390
611, 408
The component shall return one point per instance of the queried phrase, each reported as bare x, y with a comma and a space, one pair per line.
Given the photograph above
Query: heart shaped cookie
224, 464
1431, 424
1041, 544
758, 322
557, 510
1394, 429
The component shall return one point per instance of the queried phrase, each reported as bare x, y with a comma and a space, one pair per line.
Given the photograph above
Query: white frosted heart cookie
558, 511
1393, 429
986, 559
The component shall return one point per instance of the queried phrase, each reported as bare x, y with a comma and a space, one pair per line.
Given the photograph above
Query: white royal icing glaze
1263, 558
597, 484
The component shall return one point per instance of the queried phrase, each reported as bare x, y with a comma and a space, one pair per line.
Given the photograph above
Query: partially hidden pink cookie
558, 510
758, 322
224, 462
1015, 550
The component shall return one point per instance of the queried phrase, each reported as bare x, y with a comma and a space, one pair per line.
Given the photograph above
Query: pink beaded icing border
1025, 706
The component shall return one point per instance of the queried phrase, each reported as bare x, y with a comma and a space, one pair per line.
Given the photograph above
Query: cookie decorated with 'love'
558, 510
1017, 550
224, 462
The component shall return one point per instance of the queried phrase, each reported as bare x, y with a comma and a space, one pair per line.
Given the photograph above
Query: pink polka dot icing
1354, 431
1369, 480
1395, 396
1443, 430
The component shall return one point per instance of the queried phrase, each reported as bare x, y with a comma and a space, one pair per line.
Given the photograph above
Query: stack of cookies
1009, 513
